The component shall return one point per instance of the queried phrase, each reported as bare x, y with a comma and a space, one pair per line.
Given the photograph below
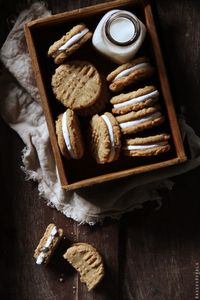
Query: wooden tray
41, 33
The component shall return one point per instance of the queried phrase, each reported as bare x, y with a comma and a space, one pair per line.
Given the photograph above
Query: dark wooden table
149, 254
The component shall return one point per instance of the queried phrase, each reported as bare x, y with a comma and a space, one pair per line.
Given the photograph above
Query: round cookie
69, 135
140, 120
104, 137
147, 146
69, 43
100, 104
129, 73
87, 261
134, 100
76, 84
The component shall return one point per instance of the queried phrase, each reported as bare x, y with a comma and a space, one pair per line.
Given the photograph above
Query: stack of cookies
85, 93
138, 110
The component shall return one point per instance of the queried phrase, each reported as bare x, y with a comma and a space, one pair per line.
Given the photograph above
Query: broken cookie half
87, 261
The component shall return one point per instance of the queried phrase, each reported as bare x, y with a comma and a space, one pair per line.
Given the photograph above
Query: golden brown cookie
134, 100
69, 43
76, 84
99, 105
147, 146
129, 73
48, 244
104, 138
69, 135
87, 261
140, 120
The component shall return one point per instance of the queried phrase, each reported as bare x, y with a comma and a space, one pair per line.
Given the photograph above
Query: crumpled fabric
21, 110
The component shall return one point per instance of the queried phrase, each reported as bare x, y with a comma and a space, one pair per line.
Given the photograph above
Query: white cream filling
141, 120
144, 147
66, 135
44, 249
111, 136
130, 70
137, 99
73, 40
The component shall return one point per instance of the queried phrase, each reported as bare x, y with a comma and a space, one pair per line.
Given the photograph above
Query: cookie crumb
61, 279
74, 289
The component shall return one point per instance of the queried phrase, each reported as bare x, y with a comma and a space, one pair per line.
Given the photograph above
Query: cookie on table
135, 100
69, 135
147, 146
140, 120
104, 138
87, 261
48, 244
130, 73
69, 43
76, 84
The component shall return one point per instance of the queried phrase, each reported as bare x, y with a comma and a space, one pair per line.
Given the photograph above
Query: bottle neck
122, 29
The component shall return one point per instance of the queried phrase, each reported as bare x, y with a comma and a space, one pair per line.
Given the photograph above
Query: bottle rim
134, 21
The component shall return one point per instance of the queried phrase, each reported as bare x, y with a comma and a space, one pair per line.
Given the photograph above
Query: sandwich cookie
135, 100
88, 262
69, 43
69, 135
132, 72
140, 120
48, 244
147, 146
104, 137
76, 84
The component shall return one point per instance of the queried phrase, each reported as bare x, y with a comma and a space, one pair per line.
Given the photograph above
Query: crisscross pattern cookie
87, 261
76, 84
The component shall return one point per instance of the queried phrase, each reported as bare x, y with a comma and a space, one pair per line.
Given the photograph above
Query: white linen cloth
21, 110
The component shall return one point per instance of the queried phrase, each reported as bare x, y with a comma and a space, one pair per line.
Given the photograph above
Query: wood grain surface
150, 254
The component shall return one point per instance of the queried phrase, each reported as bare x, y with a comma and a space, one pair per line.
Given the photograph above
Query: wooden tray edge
162, 73
121, 174
86, 11
44, 101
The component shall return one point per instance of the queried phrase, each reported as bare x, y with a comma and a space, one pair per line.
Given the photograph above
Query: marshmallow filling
111, 136
144, 147
66, 136
130, 70
139, 121
75, 38
150, 95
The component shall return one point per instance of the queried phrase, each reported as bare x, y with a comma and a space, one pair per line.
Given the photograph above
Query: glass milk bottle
119, 35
